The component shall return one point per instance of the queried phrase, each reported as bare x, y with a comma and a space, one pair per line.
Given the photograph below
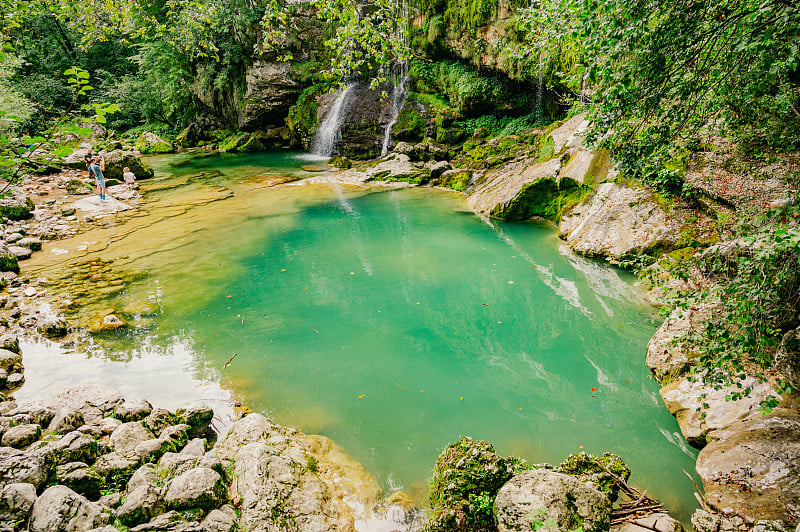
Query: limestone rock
465, 471
218, 521
668, 354
270, 91
93, 401
556, 501
178, 434
21, 436
752, 467
158, 420
16, 205
149, 142
169, 522
10, 361
176, 464
197, 488
255, 443
395, 167
135, 410
195, 447
23, 467
127, 436
153, 449
16, 501
116, 468
72, 447
66, 420
787, 359
198, 416
84, 481
142, 504
518, 190
144, 475
59, 509
615, 222
684, 399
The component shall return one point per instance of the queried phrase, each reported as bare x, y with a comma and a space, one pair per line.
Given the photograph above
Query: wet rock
15, 380
750, 469
21, 436
59, 509
127, 436
197, 488
787, 359
135, 410
16, 502
685, 399
107, 322
617, 221
10, 361
53, 327
545, 500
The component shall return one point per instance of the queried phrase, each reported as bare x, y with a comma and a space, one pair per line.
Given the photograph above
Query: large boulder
115, 160
701, 408
92, 401
751, 468
669, 354
142, 504
616, 222
149, 142
128, 436
274, 476
197, 488
545, 500
467, 475
23, 467
787, 359
59, 509
16, 502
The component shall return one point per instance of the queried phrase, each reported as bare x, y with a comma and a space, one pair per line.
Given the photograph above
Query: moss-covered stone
151, 143
16, 207
8, 261
602, 472
455, 179
338, 161
78, 187
467, 477
302, 120
546, 198
411, 123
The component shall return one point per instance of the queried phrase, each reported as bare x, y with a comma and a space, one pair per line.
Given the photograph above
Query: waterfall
329, 131
539, 110
399, 91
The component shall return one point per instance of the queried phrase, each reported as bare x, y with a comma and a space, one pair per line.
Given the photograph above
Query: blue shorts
101, 182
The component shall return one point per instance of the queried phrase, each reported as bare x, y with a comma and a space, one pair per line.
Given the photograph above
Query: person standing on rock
96, 169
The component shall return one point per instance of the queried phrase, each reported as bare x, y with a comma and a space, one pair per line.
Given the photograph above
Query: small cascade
330, 130
539, 103
399, 94
400, 67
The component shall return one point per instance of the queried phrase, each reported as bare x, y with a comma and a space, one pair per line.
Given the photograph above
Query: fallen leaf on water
361, 396
460, 398
594, 389
485, 304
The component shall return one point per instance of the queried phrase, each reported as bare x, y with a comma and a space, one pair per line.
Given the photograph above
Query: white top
128, 177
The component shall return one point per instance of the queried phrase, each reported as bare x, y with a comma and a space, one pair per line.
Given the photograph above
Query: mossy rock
338, 161
601, 472
466, 479
8, 261
411, 123
241, 143
117, 160
456, 179
545, 198
16, 207
149, 142
77, 187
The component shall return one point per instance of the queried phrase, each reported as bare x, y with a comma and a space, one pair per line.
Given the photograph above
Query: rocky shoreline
748, 464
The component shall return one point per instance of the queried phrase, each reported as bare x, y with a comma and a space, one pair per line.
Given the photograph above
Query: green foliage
302, 119
469, 15
756, 280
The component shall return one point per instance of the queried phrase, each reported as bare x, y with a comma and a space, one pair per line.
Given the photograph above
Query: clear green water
395, 323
